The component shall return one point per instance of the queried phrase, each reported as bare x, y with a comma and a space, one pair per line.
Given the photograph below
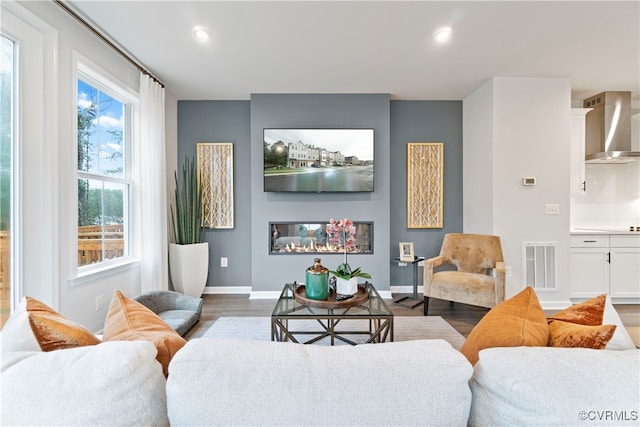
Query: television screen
318, 160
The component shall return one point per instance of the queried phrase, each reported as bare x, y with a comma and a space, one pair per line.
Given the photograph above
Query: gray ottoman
179, 311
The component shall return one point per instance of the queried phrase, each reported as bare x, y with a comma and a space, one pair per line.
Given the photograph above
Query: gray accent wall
270, 272
395, 122
424, 121
223, 121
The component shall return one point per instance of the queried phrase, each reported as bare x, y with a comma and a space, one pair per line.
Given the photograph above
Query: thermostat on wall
529, 181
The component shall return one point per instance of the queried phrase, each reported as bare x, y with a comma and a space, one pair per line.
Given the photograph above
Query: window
104, 172
7, 114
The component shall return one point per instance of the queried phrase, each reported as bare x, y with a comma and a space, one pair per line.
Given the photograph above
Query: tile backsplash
612, 198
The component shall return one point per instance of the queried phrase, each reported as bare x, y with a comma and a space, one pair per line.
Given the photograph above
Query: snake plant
186, 211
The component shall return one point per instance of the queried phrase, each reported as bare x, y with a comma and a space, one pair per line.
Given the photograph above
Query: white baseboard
555, 305
385, 294
404, 289
220, 290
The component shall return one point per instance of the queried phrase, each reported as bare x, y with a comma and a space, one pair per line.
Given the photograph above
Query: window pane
113, 203
114, 197
110, 126
101, 208
7, 103
100, 132
90, 227
87, 110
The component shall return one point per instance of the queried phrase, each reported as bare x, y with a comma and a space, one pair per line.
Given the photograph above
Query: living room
477, 198
499, 131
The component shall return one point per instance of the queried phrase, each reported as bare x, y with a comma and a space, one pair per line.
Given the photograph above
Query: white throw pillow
16, 333
620, 339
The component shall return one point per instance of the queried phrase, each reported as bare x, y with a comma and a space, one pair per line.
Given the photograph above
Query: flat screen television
318, 160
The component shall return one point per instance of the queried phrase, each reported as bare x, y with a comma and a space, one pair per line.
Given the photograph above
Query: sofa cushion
128, 320
109, 384
35, 322
234, 382
548, 386
518, 321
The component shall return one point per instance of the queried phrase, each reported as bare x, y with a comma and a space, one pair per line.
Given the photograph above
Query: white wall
477, 161
53, 205
529, 128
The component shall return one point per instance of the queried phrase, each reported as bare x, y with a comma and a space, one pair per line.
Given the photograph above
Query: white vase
189, 267
346, 287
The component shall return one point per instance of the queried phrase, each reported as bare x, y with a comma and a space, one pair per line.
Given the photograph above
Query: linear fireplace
291, 238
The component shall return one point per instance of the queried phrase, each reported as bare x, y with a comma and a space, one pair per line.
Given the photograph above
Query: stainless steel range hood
608, 129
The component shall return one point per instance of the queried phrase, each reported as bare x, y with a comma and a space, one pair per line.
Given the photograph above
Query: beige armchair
479, 278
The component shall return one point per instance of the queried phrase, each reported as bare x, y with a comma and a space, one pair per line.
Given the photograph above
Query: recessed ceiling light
201, 33
442, 34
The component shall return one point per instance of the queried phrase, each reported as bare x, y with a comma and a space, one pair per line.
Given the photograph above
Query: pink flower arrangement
343, 233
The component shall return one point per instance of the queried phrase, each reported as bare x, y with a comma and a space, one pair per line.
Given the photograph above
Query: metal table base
411, 301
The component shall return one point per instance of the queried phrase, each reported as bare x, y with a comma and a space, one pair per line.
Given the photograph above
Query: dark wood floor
461, 316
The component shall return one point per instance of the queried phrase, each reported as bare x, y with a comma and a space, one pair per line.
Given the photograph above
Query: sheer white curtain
151, 193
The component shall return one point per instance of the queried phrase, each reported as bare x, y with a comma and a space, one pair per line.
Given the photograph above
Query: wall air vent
539, 265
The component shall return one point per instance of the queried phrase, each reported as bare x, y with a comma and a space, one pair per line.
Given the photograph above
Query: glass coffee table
364, 318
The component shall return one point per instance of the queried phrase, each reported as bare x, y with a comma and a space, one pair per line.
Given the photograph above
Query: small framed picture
406, 251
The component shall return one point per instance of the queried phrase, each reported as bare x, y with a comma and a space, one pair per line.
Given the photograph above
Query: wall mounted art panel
215, 168
425, 173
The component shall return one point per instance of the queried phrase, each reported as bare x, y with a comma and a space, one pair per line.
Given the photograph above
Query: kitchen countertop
604, 230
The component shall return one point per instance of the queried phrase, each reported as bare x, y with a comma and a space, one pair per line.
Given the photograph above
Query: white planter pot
346, 287
189, 267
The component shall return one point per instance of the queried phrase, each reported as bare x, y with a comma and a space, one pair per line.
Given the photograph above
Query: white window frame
90, 73
35, 156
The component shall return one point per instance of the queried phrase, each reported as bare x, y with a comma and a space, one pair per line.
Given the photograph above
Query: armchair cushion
471, 288
179, 311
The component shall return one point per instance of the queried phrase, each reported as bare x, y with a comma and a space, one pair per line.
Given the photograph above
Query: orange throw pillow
128, 320
518, 321
581, 325
566, 334
589, 312
53, 331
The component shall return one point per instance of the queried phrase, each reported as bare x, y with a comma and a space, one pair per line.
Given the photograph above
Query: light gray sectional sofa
227, 382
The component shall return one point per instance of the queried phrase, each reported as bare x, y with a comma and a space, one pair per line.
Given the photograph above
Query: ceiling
374, 46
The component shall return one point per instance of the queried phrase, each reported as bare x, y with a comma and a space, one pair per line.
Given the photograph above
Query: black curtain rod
106, 40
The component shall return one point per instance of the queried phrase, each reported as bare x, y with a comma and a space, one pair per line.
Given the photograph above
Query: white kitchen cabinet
577, 143
624, 277
605, 263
